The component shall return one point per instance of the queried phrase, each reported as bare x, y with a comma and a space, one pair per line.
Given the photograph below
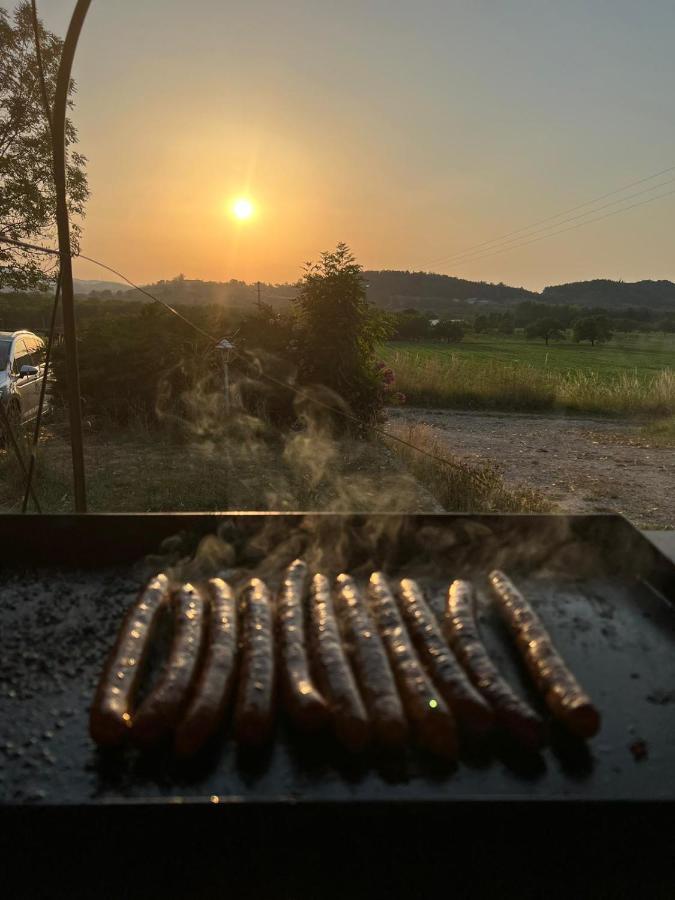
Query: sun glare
242, 208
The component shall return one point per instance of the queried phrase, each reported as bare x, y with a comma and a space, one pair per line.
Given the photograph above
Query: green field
641, 354
634, 374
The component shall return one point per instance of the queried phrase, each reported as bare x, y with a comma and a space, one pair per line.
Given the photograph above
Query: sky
410, 130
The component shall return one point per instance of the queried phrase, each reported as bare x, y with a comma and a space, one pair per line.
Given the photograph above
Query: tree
27, 197
449, 330
266, 329
547, 328
481, 324
338, 331
505, 323
410, 325
593, 329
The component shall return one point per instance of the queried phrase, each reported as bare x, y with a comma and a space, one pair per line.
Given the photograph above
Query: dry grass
453, 382
456, 485
137, 471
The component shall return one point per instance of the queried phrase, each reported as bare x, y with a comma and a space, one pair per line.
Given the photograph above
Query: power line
534, 240
97, 262
469, 257
563, 212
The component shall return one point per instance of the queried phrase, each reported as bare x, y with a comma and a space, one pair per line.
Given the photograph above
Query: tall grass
456, 485
454, 382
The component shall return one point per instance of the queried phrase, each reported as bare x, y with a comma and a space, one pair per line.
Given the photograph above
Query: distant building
477, 301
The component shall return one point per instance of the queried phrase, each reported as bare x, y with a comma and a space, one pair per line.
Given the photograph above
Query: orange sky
410, 131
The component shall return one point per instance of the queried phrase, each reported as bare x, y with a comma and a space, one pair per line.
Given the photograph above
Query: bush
138, 366
338, 331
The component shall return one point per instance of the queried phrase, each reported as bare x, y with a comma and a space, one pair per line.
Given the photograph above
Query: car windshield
4, 353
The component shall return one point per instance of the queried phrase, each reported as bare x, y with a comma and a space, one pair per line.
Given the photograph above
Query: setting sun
242, 208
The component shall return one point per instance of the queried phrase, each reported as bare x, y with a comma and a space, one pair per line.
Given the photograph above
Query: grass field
632, 375
639, 354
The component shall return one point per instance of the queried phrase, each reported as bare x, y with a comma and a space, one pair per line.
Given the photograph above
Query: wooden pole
226, 383
67, 298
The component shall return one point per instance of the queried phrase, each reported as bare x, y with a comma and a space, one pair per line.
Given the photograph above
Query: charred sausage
334, 675
563, 694
161, 710
431, 720
461, 630
254, 711
213, 687
474, 715
370, 664
111, 712
303, 702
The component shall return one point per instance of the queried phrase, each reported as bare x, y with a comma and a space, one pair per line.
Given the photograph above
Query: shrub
338, 332
137, 366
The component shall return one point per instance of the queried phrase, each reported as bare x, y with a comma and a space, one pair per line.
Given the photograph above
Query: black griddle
604, 592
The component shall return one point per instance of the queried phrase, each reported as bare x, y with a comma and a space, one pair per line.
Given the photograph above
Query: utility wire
478, 476
500, 238
608, 215
479, 254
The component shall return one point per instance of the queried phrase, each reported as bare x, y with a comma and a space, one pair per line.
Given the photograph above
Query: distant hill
393, 289
85, 286
603, 292
190, 292
396, 290
426, 290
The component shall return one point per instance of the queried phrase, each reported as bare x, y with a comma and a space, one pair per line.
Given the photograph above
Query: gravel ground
584, 465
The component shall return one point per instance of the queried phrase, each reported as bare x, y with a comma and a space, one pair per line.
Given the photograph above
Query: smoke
314, 465
426, 547
278, 448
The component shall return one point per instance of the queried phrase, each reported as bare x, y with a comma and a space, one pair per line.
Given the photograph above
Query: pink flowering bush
387, 379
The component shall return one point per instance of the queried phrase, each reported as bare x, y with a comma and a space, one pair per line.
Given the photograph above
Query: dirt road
582, 464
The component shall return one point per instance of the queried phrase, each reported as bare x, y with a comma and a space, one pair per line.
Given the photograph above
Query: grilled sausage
431, 720
473, 714
303, 702
461, 630
334, 676
111, 712
161, 710
371, 666
254, 711
213, 687
563, 694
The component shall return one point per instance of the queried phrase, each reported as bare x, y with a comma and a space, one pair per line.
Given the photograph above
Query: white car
22, 366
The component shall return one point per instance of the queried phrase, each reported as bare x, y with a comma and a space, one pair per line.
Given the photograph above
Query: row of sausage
375, 667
